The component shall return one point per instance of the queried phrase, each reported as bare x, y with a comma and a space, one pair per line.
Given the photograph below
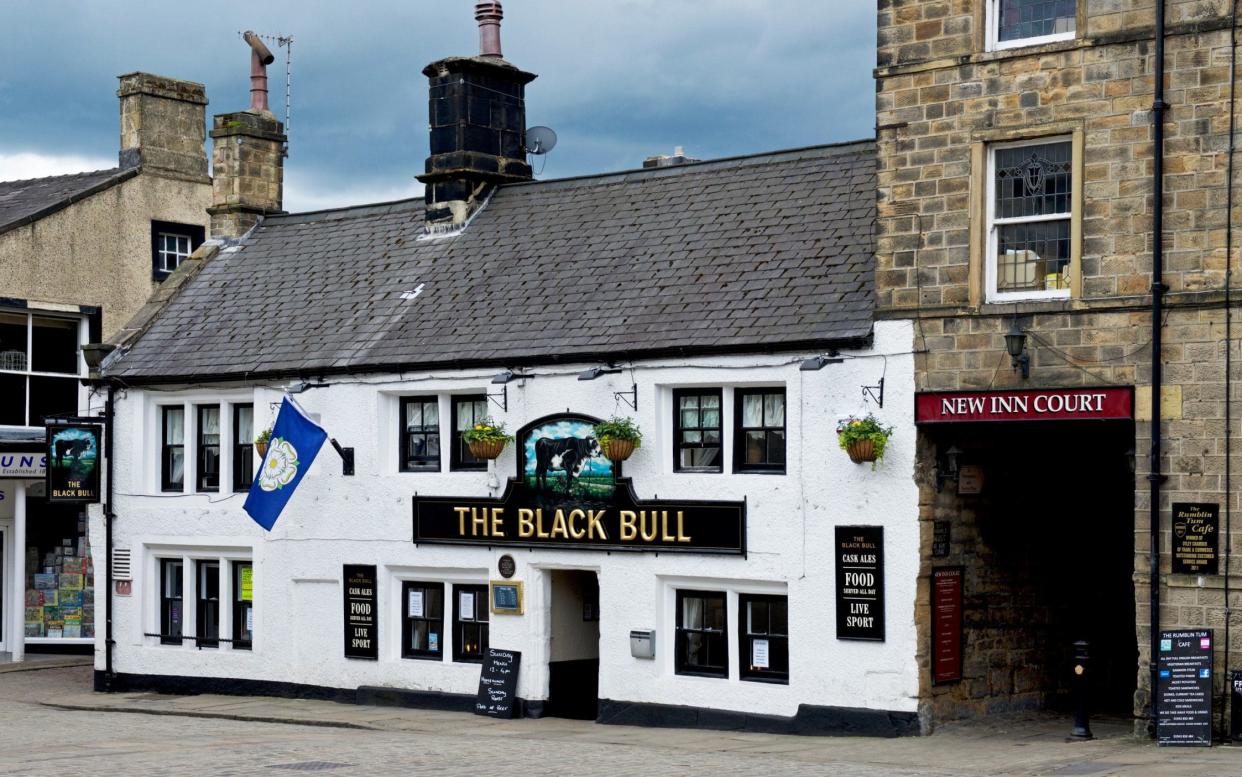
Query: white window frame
189, 404
994, 43
28, 373
395, 579
992, 223
732, 589
163, 253
189, 555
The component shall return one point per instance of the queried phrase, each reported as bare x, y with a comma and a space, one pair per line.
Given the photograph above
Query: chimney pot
488, 15
260, 57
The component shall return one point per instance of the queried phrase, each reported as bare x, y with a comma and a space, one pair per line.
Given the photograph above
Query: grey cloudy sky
619, 79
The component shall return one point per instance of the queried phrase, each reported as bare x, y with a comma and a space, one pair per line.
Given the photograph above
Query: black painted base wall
811, 720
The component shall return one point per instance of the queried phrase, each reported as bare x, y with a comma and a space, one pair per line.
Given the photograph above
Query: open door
573, 664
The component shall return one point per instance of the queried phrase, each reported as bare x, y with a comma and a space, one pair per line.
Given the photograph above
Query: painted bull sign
568, 495
73, 459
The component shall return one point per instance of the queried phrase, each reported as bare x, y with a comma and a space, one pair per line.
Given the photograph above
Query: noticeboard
361, 612
860, 582
947, 625
1184, 688
498, 684
1196, 527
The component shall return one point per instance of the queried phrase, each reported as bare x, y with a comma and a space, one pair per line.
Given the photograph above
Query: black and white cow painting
569, 454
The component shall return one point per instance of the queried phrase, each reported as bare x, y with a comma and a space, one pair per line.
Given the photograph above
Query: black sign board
568, 495
860, 582
498, 684
940, 539
1196, 527
947, 624
1184, 688
361, 612
1235, 705
74, 455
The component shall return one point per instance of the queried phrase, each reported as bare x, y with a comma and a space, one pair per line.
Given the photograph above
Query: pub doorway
573, 656
1047, 551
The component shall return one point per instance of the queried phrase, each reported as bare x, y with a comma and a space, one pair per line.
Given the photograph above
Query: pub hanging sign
73, 459
567, 495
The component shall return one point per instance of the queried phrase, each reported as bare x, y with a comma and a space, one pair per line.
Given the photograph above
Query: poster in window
860, 582
759, 654
247, 584
73, 463
465, 605
416, 603
249, 620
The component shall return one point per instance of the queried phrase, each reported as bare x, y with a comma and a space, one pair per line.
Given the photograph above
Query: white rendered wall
366, 519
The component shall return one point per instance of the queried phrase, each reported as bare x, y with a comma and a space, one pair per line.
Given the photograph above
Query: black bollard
1082, 695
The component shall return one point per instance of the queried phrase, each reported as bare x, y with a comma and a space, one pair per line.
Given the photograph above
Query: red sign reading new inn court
1078, 404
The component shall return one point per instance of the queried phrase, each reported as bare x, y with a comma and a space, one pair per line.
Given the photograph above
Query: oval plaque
507, 566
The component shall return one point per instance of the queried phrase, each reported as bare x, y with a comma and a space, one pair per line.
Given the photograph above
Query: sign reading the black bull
73, 458
567, 495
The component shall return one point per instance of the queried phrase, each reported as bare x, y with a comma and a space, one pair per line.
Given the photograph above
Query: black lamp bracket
347, 457
503, 401
876, 393
628, 397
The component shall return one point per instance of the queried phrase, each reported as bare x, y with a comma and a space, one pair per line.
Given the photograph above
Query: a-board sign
860, 582
946, 625
1184, 688
361, 612
1196, 527
498, 684
74, 454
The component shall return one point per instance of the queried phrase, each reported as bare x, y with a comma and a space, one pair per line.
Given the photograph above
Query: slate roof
756, 253
22, 202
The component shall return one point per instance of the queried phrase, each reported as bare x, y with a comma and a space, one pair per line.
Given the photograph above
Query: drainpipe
1233, 112
1155, 477
109, 517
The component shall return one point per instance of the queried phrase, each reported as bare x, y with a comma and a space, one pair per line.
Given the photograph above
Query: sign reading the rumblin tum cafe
568, 495
73, 462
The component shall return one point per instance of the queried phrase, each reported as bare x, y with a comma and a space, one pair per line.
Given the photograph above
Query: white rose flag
295, 442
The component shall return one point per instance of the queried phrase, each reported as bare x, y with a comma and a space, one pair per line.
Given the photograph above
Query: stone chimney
162, 125
248, 157
477, 112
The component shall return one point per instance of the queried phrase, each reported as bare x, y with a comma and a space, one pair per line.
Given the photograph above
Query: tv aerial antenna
285, 42
539, 141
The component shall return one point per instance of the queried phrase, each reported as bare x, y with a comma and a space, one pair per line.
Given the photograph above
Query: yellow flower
855, 422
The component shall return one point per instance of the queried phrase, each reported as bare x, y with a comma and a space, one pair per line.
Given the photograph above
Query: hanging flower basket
618, 437
861, 451
260, 442
486, 439
864, 439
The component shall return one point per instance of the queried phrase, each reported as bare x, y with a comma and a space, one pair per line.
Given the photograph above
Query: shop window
172, 244
207, 463
59, 584
423, 621
1029, 215
702, 643
420, 434
470, 624
467, 411
243, 605
697, 430
172, 578
759, 431
208, 604
39, 367
1015, 23
243, 447
172, 449
764, 637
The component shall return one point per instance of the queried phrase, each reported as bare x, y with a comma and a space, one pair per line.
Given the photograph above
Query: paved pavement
51, 724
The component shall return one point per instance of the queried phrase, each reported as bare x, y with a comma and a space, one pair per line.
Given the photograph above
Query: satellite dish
540, 140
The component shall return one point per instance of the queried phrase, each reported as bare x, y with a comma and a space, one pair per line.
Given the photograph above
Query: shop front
1032, 549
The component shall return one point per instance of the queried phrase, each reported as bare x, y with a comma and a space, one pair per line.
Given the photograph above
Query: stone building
1016, 177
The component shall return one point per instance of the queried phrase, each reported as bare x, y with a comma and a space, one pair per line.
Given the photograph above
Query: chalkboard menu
860, 582
946, 625
498, 684
1184, 688
361, 612
1195, 530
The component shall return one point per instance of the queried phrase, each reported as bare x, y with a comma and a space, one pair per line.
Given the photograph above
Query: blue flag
295, 443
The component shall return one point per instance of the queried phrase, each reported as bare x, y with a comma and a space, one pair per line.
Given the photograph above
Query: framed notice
506, 596
860, 582
361, 612
73, 457
1196, 528
946, 602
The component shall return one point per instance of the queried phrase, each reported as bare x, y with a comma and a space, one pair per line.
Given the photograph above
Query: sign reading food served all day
568, 495
1098, 404
860, 582
361, 611
73, 462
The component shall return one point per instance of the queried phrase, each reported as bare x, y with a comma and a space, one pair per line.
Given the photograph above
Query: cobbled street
36, 739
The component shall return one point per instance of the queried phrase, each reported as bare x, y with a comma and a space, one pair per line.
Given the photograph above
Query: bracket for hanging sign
876, 393
503, 402
347, 457
628, 397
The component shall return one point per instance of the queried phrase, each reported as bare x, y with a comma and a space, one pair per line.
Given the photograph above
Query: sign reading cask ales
73, 462
361, 612
497, 697
860, 582
946, 625
1195, 530
1184, 688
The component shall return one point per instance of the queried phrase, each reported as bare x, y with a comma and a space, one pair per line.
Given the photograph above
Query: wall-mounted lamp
508, 376
1015, 343
819, 362
595, 372
951, 467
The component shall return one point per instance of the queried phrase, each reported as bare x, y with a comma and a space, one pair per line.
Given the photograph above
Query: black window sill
433, 468
712, 675
467, 660
769, 680
699, 471
207, 491
469, 468
425, 657
756, 471
172, 490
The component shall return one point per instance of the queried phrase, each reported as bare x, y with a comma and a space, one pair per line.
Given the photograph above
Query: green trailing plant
852, 430
264, 437
617, 428
487, 430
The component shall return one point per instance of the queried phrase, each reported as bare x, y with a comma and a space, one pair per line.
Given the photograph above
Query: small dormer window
172, 244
